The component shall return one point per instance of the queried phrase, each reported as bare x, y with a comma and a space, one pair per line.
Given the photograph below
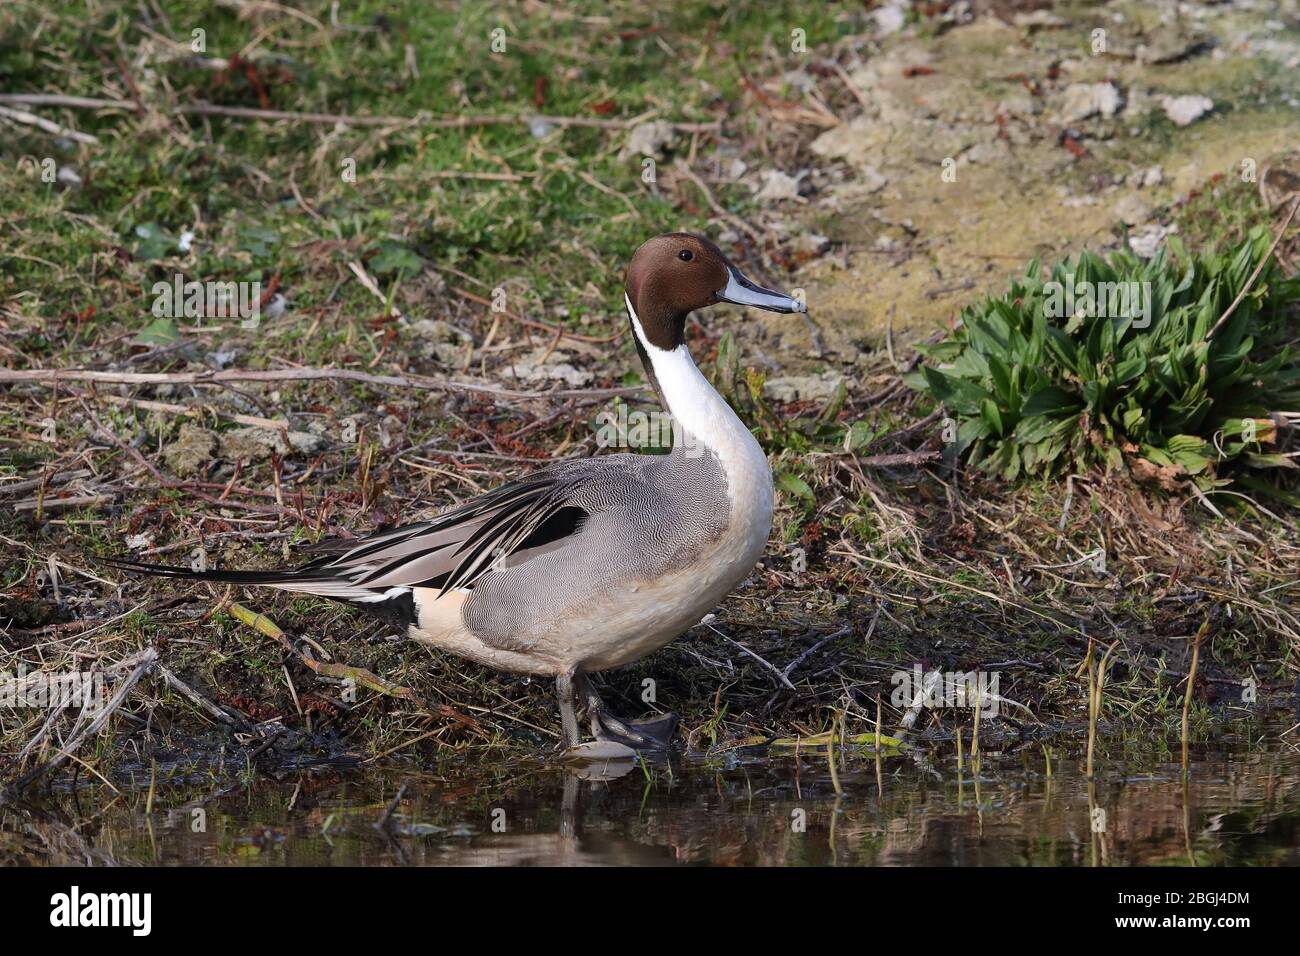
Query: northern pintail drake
588, 564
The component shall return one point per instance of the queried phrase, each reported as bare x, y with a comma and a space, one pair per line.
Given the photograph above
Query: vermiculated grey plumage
647, 514
636, 517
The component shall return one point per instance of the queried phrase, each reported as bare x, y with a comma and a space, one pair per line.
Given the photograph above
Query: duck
586, 564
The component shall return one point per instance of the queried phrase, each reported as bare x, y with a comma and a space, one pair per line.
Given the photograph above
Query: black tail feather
396, 608
225, 577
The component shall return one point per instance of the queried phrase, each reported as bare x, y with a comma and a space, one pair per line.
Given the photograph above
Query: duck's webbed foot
654, 735
573, 750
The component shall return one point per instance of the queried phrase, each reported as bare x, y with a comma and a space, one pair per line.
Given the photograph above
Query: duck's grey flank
647, 516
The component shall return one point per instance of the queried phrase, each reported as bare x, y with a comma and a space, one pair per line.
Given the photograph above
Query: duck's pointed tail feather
277, 578
394, 604
309, 579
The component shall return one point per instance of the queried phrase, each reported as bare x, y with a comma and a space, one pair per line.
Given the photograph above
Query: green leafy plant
1128, 364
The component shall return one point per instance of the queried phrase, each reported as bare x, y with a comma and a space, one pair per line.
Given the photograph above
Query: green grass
554, 240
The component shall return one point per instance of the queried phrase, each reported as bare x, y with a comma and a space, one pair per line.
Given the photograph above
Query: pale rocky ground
1007, 109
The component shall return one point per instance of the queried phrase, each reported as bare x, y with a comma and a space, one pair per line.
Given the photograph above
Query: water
1240, 804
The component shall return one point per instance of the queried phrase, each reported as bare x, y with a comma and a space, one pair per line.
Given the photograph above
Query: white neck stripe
692, 401
708, 420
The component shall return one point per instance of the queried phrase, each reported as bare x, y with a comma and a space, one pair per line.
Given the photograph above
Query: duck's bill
742, 291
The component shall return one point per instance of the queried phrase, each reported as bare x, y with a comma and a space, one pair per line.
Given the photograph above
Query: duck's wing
453, 550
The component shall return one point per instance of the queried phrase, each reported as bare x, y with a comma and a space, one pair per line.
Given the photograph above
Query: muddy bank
1005, 138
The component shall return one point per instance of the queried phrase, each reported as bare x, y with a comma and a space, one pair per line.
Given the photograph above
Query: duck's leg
568, 716
603, 750
656, 734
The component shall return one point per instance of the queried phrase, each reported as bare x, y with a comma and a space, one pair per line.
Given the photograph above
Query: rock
531, 368
790, 388
138, 542
1132, 209
220, 358
810, 244
255, 444
1147, 242
248, 444
648, 139
890, 18
777, 186
1145, 178
799, 79
988, 151
1185, 110
276, 307
391, 429
437, 330
859, 142
440, 340
871, 179
307, 443
1018, 103
67, 178
1039, 20
1082, 100
193, 448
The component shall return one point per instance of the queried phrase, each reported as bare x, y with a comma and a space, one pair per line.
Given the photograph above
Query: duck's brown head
674, 274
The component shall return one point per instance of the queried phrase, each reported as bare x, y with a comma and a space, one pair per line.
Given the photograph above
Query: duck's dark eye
686, 255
